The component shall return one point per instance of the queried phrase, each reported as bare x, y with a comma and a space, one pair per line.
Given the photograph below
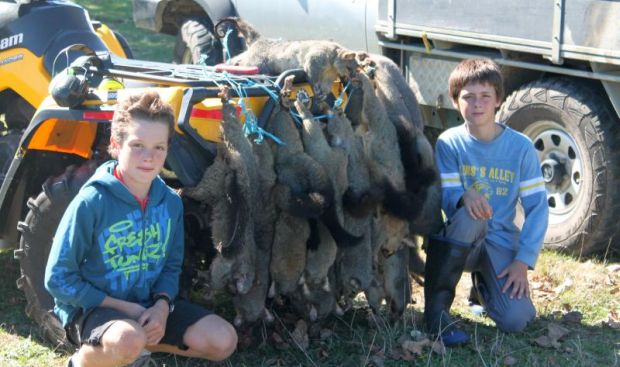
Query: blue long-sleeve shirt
107, 245
504, 170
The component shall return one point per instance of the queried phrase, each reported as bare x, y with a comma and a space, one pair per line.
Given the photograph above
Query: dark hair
144, 106
476, 71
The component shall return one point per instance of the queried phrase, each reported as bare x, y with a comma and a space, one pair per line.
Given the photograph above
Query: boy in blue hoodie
114, 265
486, 170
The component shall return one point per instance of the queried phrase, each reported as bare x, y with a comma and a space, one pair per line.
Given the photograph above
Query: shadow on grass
13, 319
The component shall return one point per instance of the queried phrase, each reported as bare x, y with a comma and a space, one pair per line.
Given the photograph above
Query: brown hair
144, 106
475, 71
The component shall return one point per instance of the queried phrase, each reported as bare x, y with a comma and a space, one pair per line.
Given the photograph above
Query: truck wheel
574, 131
195, 43
38, 229
8, 146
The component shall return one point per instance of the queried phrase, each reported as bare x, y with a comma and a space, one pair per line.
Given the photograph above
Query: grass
117, 14
357, 340
560, 284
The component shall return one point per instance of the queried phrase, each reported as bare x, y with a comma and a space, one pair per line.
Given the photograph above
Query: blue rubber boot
445, 261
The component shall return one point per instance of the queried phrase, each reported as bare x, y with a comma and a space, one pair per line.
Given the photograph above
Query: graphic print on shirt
134, 245
488, 181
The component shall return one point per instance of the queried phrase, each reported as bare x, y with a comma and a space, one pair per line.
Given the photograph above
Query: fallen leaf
613, 268
510, 361
326, 334
612, 320
415, 347
568, 282
557, 332
573, 317
300, 334
545, 342
554, 334
438, 348
614, 290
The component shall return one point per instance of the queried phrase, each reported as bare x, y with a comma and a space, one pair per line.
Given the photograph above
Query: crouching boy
114, 265
486, 169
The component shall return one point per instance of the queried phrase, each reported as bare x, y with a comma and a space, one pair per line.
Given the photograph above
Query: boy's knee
464, 228
515, 321
126, 339
214, 337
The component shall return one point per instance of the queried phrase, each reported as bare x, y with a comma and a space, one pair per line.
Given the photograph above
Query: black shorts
89, 328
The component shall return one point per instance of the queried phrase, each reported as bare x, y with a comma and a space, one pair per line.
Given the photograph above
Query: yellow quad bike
69, 133
33, 35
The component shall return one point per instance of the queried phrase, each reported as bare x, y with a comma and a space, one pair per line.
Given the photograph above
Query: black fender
28, 170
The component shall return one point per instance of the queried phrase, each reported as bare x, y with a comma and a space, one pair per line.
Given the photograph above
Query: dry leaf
612, 320
438, 348
568, 282
554, 334
574, 317
300, 334
510, 361
415, 348
614, 290
613, 268
546, 342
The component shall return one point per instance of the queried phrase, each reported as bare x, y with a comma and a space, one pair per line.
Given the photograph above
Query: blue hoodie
106, 245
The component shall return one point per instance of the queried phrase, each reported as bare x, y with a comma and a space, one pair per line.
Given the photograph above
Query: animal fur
334, 161
234, 173
323, 61
250, 307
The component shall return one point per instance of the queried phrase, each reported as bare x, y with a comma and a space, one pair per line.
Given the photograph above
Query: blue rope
340, 98
225, 45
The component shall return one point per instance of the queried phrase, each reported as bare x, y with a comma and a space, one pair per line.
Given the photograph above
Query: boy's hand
517, 278
477, 205
153, 320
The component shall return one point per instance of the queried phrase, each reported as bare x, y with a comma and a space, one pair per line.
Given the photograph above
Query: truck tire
8, 146
195, 43
575, 133
37, 231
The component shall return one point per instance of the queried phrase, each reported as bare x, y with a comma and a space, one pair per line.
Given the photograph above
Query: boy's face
142, 154
477, 103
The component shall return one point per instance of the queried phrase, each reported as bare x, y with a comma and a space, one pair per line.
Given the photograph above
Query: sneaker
144, 360
454, 338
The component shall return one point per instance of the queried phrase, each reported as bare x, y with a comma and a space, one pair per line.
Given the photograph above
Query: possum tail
403, 204
417, 177
361, 204
342, 237
236, 219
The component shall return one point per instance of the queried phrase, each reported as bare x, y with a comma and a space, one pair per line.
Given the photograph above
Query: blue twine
340, 98
225, 45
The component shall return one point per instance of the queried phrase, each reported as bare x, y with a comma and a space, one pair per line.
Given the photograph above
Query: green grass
355, 340
117, 14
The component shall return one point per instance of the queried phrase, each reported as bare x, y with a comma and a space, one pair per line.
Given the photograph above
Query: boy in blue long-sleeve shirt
486, 170
114, 265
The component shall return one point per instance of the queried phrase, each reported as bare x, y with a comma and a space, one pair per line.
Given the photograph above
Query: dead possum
323, 61
392, 284
381, 141
334, 161
250, 307
304, 189
404, 113
233, 173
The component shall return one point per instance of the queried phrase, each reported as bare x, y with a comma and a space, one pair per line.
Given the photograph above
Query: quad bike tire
575, 133
196, 43
8, 146
124, 44
37, 231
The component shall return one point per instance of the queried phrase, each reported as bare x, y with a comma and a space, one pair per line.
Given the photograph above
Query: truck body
560, 60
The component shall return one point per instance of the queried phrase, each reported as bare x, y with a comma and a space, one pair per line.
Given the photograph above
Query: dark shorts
89, 328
